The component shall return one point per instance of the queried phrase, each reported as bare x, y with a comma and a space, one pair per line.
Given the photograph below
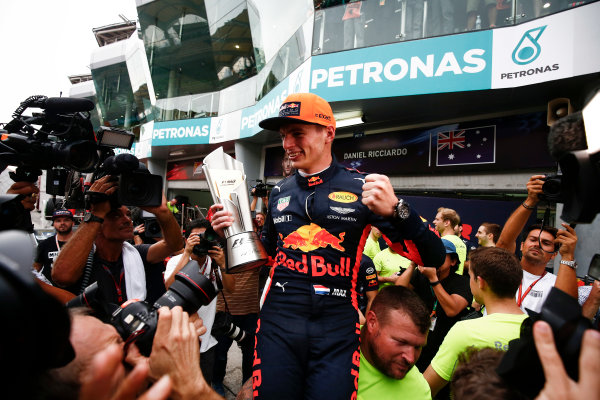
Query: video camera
574, 142
137, 186
65, 140
136, 320
261, 189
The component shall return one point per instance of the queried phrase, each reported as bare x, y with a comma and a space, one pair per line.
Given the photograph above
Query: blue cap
450, 248
62, 212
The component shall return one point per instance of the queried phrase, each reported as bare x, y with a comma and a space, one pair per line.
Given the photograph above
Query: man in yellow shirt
390, 344
388, 264
495, 275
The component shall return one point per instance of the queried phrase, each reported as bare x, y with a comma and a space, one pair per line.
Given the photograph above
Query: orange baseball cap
301, 107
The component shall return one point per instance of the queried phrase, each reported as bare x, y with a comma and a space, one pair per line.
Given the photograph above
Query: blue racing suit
307, 342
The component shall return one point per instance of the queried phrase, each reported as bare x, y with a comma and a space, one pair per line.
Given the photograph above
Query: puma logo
281, 285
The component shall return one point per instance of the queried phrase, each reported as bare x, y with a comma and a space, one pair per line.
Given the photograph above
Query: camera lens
190, 290
551, 186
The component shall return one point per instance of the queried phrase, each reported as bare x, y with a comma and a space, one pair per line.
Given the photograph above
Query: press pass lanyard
521, 298
117, 285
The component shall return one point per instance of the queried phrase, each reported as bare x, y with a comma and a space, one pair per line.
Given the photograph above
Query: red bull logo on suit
311, 237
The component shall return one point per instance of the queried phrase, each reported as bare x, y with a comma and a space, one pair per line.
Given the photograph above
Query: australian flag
467, 146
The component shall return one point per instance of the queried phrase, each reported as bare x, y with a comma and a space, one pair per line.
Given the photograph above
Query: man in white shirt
539, 246
206, 260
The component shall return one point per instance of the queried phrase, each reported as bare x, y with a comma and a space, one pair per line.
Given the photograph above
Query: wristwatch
89, 217
571, 264
402, 210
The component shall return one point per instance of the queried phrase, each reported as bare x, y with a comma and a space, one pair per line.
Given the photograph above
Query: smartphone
594, 269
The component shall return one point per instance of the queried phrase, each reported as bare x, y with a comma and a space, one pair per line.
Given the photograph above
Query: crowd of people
355, 23
365, 298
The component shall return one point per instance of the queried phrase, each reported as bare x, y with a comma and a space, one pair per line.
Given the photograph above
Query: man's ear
330, 133
481, 283
371, 323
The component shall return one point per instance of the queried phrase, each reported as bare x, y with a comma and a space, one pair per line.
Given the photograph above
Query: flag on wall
467, 146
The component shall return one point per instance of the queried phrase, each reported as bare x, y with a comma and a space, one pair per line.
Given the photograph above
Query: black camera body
553, 189
223, 326
521, 366
152, 228
137, 186
136, 320
261, 189
66, 137
208, 240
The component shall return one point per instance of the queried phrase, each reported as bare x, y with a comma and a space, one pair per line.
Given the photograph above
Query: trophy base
245, 252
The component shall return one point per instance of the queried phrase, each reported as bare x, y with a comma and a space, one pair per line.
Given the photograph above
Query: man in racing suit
307, 343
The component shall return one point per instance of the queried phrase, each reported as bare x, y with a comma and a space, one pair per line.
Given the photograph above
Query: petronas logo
528, 48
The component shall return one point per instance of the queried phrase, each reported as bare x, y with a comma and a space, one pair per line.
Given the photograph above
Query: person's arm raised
69, 264
172, 239
517, 220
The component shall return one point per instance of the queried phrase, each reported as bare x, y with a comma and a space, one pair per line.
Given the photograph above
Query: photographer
259, 217
121, 270
538, 248
97, 371
198, 249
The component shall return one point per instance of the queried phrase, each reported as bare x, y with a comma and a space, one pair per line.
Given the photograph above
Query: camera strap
220, 286
87, 272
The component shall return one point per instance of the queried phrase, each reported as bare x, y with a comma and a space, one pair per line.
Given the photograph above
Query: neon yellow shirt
461, 250
388, 263
371, 248
494, 330
372, 384
172, 208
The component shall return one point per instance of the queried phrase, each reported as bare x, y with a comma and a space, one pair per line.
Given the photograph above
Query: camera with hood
136, 320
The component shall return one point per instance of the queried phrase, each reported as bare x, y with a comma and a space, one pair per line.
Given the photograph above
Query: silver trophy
227, 183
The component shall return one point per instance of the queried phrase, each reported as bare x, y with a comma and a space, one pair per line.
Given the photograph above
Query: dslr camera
151, 226
136, 320
552, 189
208, 240
223, 326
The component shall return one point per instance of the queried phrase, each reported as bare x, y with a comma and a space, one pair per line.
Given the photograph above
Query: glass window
291, 55
273, 23
196, 46
115, 96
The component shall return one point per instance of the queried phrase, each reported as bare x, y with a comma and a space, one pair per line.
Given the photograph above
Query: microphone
567, 135
63, 104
